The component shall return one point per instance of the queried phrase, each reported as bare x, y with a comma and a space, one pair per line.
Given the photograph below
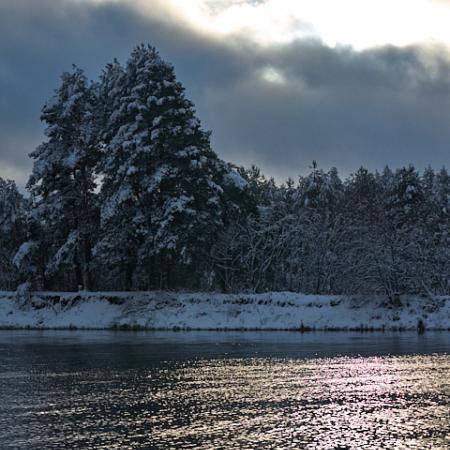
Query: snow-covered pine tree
321, 195
12, 231
110, 90
434, 257
406, 199
62, 185
162, 182
361, 210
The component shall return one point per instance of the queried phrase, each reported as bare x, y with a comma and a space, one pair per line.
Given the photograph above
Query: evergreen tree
62, 184
162, 182
12, 231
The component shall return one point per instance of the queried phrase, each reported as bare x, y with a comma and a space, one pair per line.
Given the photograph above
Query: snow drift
169, 310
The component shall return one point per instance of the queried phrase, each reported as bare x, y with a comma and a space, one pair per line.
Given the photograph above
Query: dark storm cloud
342, 108
338, 106
40, 39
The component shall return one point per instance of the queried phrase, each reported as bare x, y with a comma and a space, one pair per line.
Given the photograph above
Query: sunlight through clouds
273, 75
254, 73
357, 23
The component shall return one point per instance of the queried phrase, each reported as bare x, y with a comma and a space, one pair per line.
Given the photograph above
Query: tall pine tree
62, 184
162, 182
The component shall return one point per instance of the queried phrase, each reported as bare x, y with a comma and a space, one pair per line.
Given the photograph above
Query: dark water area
207, 390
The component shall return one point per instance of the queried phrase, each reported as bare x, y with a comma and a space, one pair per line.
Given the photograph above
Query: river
218, 390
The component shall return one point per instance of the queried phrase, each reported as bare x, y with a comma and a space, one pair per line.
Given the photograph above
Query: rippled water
224, 390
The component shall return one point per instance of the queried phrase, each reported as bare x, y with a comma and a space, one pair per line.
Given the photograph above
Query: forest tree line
126, 193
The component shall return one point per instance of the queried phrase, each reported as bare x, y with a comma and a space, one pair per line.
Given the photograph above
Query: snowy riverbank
167, 310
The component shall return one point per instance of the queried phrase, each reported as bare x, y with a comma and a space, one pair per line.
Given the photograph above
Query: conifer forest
126, 193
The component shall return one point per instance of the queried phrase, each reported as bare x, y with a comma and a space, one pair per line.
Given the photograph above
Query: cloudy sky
279, 82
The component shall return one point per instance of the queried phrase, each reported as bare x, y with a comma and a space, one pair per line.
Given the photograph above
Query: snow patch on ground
170, 310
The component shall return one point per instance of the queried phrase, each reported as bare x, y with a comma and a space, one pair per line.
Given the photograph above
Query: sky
280, 83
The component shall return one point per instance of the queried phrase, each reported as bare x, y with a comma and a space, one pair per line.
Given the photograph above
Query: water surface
203, 390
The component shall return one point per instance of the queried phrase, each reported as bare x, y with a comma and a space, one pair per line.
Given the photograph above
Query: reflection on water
162, 391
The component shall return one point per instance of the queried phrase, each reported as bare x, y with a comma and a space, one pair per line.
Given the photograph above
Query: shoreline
131, 329
182, 311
